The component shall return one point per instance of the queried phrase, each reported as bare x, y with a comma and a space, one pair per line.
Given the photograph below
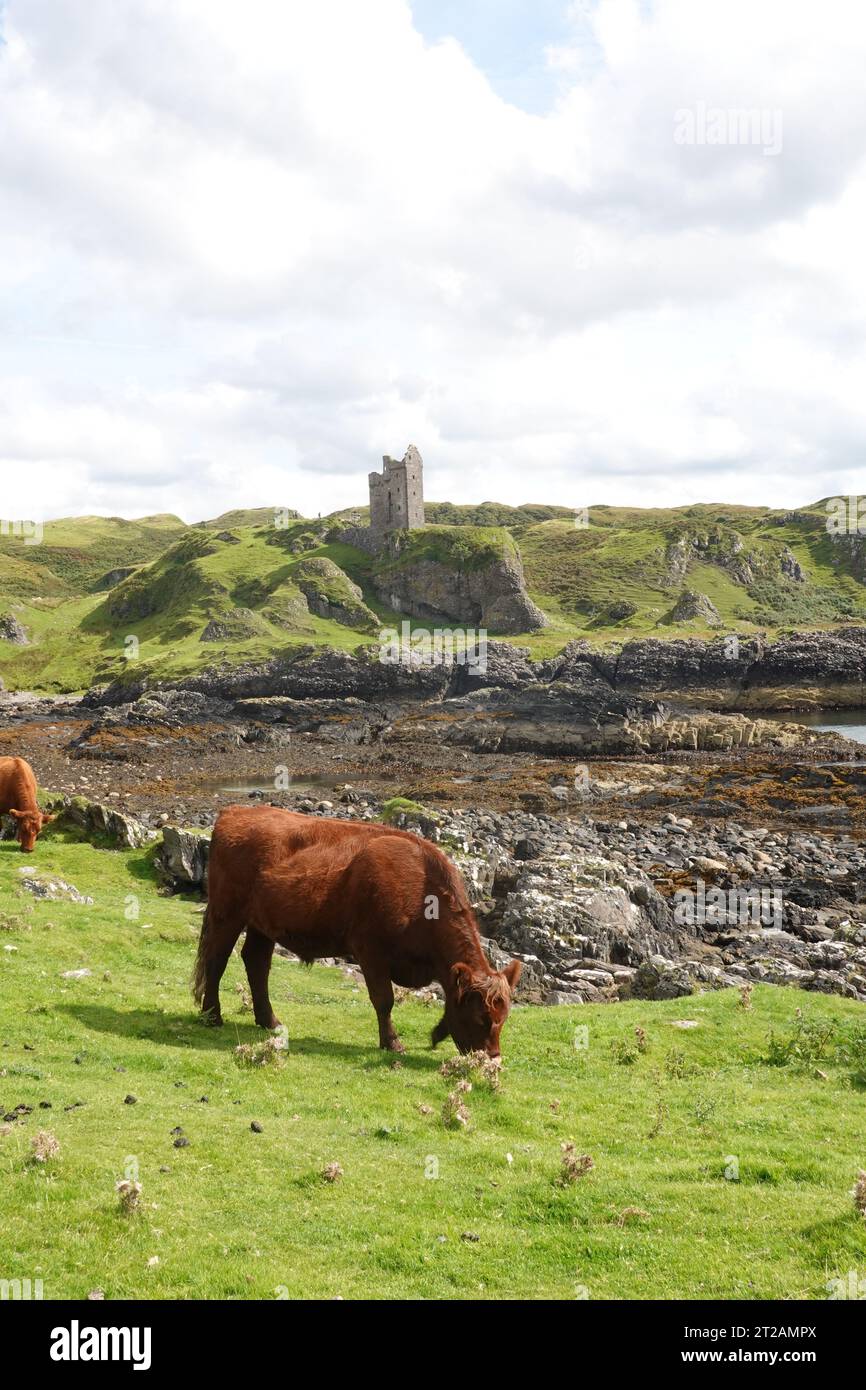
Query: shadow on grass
373, 1058
152, 1026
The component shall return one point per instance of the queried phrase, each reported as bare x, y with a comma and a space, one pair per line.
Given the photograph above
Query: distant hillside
240, 587
252, 516
757, 567
77, 551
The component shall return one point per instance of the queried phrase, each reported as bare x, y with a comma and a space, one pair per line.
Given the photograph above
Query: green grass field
421, 1211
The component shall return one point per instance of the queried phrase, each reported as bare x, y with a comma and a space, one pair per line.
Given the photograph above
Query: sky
247, 250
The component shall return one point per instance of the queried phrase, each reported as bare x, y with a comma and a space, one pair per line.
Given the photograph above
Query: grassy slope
574, 574
76, 551
243, 1215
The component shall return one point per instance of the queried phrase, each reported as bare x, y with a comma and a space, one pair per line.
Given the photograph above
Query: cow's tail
198, 978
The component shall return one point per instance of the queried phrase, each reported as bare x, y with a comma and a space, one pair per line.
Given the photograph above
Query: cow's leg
215, 946
382, 998
214, 971
440, 1032
257, 955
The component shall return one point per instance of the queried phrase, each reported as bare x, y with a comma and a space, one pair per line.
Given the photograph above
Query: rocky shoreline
620, 839
600, 910
652, 697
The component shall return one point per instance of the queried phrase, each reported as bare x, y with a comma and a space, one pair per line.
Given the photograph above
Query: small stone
130, 1099
256, 1127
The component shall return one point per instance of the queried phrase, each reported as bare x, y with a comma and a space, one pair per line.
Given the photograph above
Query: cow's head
29, 825
476, 1007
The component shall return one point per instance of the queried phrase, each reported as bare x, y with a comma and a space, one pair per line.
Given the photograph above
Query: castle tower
397, 494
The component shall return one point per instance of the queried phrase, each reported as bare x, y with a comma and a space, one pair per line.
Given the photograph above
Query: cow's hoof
270, 1023
212, 1019
393, 1045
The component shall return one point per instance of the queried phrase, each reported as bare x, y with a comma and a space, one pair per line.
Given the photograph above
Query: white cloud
244, 252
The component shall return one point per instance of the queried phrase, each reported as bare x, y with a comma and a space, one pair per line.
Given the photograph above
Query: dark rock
12, 631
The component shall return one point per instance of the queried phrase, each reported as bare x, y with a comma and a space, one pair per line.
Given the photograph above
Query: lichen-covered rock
658, 978
50, 887
99, 822
182, 858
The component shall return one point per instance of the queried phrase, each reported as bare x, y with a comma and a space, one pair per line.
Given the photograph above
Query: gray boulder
182, 858
12, 631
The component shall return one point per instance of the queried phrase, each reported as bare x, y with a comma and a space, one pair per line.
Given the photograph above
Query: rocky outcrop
101, 824
340, 721
113, 577
566, 718
583, 718
791, 567
17, 706
802, 670
491, 596
304, 672
596, 909
182, 859
799, 671
12, 631
651, 697
330, 593
237, 625
692, 606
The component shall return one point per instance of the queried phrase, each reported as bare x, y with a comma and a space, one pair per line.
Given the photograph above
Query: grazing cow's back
322, 887
18, 799
247, 840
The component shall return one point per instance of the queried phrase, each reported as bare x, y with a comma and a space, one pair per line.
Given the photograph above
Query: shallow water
850, 722
245, 786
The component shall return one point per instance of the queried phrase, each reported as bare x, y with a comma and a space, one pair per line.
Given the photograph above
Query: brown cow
324, 887
18, 799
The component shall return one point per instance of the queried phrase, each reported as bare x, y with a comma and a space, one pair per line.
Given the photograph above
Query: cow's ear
512, 973
46, 820
19, 815
462, 977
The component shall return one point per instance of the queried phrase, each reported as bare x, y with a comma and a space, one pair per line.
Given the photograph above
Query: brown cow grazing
18, 799
334, 888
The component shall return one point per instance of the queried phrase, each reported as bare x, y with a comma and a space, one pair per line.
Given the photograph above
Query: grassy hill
257, 586
76, 551
760, 568
723, 1154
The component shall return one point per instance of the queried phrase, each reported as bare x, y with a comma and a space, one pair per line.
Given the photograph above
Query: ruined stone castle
397, 494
